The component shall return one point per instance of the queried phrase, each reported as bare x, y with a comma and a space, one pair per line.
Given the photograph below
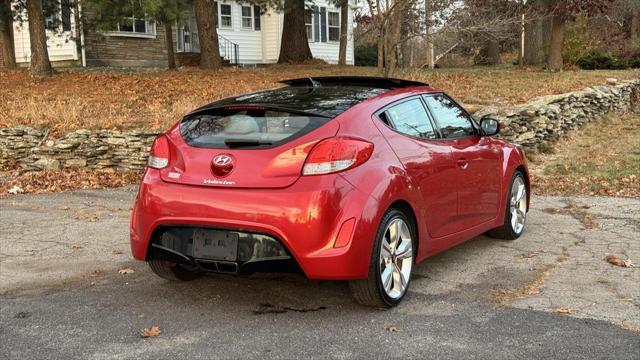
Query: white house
61, 42
247, 36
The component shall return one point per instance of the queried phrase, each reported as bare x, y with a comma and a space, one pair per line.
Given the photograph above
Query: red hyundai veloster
341, 178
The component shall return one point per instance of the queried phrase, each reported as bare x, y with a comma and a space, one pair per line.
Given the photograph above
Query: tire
508, 231
371, 291
171, 271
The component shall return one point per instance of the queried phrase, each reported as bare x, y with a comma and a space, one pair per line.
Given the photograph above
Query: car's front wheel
172, 271
391, 263
516, 213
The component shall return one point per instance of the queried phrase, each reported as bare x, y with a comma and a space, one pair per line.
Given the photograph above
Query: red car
341, 178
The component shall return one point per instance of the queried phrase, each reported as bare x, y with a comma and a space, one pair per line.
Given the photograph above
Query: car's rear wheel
391, 263
173, 271
516, 213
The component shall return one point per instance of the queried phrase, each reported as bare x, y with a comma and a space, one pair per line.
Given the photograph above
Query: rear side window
410, 117
452, 119
246, 128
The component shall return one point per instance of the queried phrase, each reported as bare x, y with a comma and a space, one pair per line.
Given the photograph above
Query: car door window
410, 117
451, 118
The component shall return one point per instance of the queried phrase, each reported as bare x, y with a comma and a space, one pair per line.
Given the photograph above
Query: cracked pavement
62, 297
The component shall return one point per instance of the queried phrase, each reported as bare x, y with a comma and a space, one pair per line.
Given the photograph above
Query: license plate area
215, 244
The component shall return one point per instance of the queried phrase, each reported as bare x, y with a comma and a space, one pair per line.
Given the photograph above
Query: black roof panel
369, 81
323, 96
328, 101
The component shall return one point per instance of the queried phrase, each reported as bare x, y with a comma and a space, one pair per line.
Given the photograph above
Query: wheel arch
527, 181
513, 160
407, 209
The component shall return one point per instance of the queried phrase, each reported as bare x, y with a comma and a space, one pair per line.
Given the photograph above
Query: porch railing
188, 42
228, 50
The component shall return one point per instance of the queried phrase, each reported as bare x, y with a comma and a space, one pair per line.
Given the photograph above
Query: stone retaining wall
81, 148
537, 122
544, 119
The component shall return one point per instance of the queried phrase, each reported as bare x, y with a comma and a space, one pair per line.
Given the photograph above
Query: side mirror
489, 126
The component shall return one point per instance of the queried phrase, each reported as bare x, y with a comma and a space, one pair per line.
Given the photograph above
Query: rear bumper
305, 217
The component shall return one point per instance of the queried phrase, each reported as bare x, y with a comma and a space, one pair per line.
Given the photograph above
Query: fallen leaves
113, 99
564, 310
116, 252
392, 329
20, 181
532, 287
76, 247
583, 164
150, 332
579, 212
614, 260
125, 271
83, 215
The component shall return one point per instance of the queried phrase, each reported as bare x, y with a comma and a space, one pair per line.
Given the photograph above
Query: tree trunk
380, 50
412, 53
40, 65
168, 36
534, 42
489, 53
344, 32
635, 25
6, 37
392, 37
294, 46
429, 37
554, 61
207, 34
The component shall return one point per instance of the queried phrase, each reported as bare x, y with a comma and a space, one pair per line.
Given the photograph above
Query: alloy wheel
396, 258
518, 204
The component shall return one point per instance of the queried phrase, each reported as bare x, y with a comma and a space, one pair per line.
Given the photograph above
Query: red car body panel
451, 203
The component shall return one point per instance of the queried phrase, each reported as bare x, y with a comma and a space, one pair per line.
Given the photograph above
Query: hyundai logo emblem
222, 160
222, 165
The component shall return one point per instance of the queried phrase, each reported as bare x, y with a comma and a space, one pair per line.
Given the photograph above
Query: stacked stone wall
531, 125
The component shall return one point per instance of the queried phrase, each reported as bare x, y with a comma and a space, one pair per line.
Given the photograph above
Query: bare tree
428, 14
561, 12
489, 50
294, 46
207, 34
535, 27
635, 25
387, 19
344, 32
40, 65
489, 23
6, 34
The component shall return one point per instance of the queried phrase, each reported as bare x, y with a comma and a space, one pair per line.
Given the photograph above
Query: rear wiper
234, 143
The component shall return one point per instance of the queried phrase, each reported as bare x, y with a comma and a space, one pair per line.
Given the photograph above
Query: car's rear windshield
227, 128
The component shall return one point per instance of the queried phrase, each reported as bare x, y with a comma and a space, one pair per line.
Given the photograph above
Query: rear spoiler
367, 81
240, 107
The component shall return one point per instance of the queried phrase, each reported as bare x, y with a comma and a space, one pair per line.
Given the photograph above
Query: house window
247, 17
136, 27
225, 15
60, 17
256, 18
308, 23
334, 26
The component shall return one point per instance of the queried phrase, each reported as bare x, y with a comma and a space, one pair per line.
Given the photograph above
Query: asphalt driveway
549, 294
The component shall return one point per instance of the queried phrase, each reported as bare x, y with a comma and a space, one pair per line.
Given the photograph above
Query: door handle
463, 163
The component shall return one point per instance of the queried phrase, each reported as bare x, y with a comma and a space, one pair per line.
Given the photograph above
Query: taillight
337, 154
159, 157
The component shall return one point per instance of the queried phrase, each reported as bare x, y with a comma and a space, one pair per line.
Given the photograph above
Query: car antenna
314, 84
